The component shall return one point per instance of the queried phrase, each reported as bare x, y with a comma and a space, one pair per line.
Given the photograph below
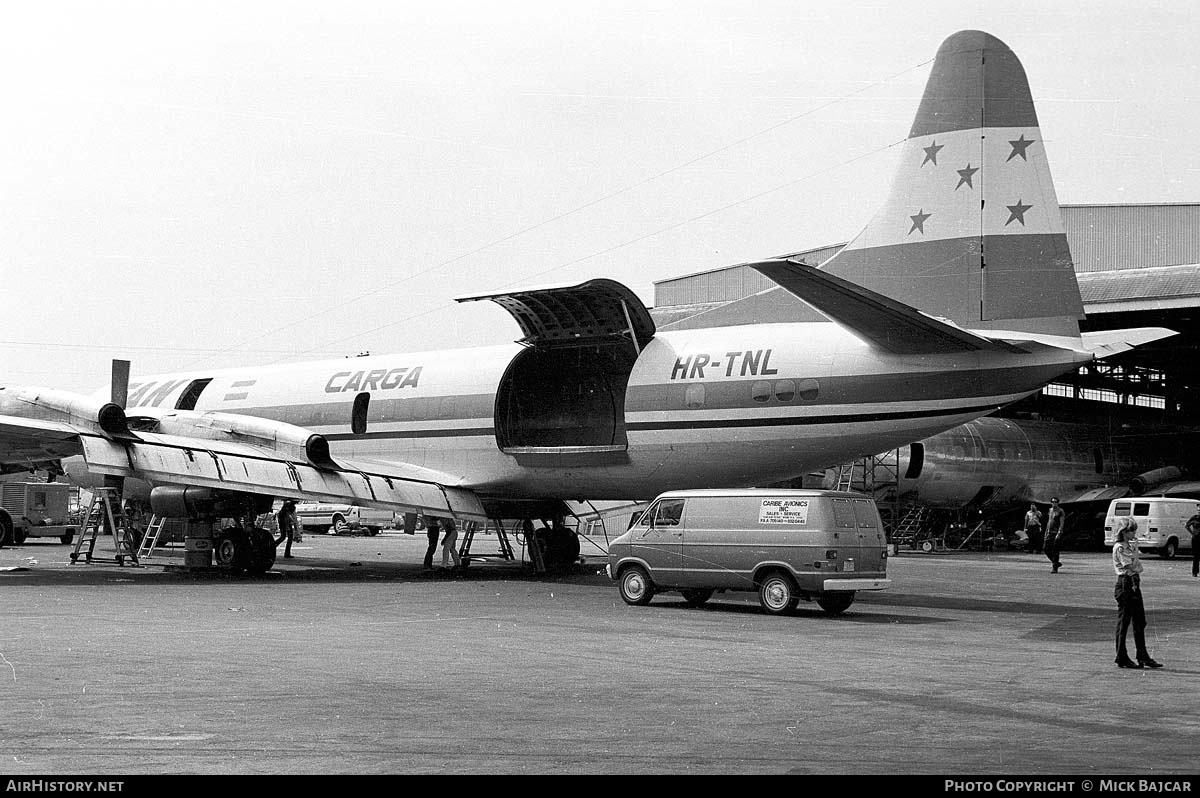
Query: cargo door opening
565, 397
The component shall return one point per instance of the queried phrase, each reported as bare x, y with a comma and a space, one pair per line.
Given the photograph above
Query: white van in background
1160, 523
341, 519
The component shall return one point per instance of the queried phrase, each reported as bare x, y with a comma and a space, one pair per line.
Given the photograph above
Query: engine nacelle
279, 436
1151, 479
51, 404
183, 501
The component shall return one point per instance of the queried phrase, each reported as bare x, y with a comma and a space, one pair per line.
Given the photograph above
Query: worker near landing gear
287, 526
450, 544
432, 529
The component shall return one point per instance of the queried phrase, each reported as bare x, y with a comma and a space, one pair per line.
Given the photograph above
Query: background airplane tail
971, 230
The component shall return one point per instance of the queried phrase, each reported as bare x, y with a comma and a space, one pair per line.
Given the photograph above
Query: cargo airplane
958, 298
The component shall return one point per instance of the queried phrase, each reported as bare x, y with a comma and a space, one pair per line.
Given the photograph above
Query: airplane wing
30, 442
888, 324
223, 451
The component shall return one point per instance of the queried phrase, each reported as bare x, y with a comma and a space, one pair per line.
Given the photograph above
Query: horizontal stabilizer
1106, 343
886, 323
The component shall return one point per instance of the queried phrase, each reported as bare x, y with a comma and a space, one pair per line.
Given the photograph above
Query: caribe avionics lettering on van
821, 546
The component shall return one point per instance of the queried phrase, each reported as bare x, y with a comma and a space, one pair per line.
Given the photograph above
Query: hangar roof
1152, 288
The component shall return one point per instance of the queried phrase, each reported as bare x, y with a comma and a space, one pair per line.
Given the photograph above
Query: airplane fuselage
722, 407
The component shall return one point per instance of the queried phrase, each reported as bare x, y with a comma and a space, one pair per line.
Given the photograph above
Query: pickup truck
341, 519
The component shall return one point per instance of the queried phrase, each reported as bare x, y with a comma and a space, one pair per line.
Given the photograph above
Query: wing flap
230, 466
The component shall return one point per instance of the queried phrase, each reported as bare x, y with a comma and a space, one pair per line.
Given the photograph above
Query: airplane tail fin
971, 231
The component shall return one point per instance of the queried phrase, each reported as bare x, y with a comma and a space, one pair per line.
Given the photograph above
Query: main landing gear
241, 548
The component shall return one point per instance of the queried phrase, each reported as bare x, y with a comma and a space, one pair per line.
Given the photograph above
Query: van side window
1141, 508
1122, 508
843, 513
866, 513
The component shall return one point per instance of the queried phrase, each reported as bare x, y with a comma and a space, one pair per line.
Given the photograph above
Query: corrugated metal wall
1108, 237
1102, 238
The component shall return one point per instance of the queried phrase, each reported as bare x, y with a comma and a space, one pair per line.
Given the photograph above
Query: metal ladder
845, 478
150, 541
101, 515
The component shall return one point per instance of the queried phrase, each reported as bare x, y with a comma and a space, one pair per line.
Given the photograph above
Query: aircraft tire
635, 586
231, 548
20, 536
777, 593
261, 556
696, 597
6, 530
836, 603
66, 537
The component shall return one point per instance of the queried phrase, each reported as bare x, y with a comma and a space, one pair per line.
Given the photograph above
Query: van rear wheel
836, 603
777, 594
696, 597
1168, 551
635, 586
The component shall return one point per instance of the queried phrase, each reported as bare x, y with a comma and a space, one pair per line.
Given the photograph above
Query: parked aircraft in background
994, 468
958, 298
997, 463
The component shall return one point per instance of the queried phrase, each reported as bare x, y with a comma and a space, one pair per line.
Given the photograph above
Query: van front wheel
777, 594
635, 586
836, 603
1168, 551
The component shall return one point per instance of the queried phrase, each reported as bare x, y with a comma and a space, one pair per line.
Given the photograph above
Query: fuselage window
785, 390
809, 390
694, 398
761, 391
358, 416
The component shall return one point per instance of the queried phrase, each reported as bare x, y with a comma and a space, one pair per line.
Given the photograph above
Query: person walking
1128, 593
432, 530
449, 547
286, 518
1056, 522
1033, 529
1193, 528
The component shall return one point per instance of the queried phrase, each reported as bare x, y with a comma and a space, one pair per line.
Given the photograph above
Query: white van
1160, 522
341, 519
787, 545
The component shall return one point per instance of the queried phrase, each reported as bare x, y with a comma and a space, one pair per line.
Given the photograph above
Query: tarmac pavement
351, 658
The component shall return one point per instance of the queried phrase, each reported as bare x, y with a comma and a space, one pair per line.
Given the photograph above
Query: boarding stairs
911, 528
104, 513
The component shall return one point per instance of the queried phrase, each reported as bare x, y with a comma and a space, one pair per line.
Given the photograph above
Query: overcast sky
193, 185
